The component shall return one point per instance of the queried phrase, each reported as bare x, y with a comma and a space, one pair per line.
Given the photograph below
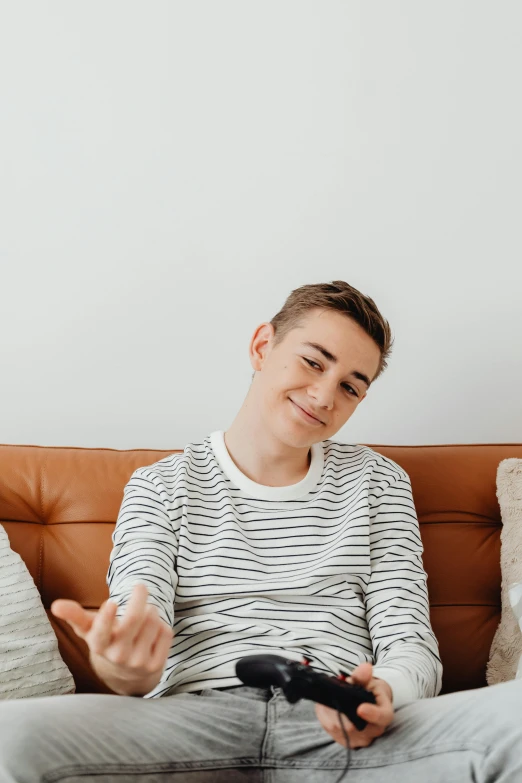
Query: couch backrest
59, 507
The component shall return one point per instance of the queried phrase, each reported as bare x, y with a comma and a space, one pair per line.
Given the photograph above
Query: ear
261, 344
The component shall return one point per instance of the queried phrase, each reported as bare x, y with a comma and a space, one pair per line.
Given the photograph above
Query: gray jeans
248, 734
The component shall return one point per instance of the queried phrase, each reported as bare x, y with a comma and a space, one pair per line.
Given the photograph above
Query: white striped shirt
329, 568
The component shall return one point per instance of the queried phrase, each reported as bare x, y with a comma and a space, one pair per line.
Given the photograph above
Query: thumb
79, 619
362, 674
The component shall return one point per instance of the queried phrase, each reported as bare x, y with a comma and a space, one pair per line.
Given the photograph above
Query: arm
405, 647
145, 543
407, 662
129, 637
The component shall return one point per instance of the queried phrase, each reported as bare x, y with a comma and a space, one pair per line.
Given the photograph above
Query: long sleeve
405, 647
145, 543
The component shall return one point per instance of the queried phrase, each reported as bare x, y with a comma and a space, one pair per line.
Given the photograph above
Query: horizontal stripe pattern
335, 574
30, 663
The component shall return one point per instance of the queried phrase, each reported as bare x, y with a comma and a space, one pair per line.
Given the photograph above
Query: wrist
402, 687
129, 687
386, 686
120, 683
132, 688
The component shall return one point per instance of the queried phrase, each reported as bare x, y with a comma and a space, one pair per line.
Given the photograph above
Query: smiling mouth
308, 417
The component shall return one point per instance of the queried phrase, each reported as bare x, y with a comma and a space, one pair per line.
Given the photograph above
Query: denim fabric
245, 734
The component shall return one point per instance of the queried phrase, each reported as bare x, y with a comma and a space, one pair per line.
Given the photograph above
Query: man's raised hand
128, 653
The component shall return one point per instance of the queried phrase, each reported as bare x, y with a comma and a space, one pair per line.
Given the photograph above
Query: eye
349, 388
346, 386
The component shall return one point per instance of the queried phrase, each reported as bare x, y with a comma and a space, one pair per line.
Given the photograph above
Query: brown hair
342, 297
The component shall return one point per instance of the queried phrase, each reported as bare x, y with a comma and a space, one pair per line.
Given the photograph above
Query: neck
261, 456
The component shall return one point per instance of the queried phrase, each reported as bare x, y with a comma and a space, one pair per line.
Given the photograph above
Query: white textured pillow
30, 663
506, 648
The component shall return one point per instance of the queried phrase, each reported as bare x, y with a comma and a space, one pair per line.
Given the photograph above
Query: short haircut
343, 298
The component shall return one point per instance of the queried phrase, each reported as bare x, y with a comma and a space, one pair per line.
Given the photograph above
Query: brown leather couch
59, 507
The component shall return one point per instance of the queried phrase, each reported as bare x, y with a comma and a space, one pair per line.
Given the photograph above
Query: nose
323, 394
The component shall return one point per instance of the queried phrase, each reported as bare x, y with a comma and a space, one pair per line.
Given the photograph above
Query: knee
29, 729
19, 730
504, 705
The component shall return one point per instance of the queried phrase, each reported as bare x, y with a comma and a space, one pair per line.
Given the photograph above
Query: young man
269, 538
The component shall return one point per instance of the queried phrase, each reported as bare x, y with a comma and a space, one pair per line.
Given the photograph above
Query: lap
446, 738
242, 731
458, 737
61, 737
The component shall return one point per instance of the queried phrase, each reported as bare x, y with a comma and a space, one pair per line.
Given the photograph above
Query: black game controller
300, 681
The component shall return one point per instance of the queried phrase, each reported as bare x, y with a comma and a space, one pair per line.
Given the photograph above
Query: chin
294, 436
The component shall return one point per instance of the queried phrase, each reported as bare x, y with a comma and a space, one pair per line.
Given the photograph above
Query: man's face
296, 378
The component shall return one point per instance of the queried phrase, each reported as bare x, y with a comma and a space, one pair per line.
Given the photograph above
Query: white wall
170, 170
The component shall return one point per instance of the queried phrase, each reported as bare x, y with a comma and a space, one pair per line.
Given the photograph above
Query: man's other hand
379, 715
128, 653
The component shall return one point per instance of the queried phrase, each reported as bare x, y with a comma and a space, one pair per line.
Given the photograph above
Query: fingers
374, 714
99, 626
142, 643
161, 647
79, 619
152, 646
362, 674
329, 720
139, 642
364, 738
369, 712
134, 614
103, 627
381, 713
382, 692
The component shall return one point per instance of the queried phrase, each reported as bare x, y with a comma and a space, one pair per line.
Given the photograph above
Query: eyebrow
331, 358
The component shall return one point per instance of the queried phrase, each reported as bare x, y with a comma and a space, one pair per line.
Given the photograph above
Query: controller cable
307, 661
348, 753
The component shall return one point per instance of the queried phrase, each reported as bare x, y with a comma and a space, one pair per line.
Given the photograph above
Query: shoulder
380, 470
173, 470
